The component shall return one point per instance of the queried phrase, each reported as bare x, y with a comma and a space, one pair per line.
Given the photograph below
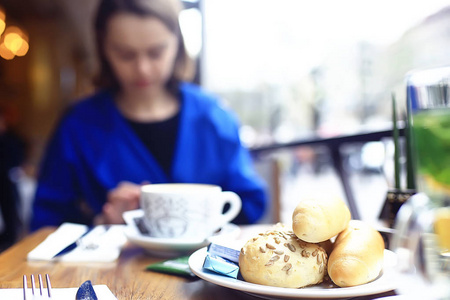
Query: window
292, 68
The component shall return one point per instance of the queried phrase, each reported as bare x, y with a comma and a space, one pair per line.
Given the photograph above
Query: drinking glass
422, 226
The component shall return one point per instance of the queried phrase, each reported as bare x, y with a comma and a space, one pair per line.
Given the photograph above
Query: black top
159, 138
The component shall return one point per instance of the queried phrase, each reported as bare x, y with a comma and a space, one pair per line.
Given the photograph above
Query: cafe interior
313, 86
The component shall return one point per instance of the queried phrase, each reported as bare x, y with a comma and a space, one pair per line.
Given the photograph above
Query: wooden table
127, 278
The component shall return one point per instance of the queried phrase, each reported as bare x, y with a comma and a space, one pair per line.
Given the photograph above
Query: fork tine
34, 291
40, 284
49, 285
25, 286
33, 286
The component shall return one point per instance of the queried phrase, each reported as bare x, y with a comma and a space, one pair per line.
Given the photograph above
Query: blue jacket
94, 148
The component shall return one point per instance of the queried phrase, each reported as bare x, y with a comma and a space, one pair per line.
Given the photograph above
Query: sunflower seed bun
326, 245
279, 258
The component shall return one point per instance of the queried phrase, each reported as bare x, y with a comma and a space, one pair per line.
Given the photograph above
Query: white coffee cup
185, 210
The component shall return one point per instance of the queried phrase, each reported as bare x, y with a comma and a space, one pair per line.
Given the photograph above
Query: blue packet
221, 265
230, 252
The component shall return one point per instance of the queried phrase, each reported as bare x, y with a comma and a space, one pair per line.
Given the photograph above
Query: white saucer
169, 247
384, 283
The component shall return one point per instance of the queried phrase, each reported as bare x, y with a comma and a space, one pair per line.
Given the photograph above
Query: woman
145, 125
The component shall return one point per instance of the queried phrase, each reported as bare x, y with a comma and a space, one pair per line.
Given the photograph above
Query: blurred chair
9, 203
12, 154
269, 170
16, 195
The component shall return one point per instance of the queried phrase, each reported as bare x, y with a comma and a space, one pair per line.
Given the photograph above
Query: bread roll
357, 256
319, 219
279, 258
327, 246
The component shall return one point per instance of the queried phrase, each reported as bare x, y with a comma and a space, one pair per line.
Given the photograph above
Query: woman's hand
122, 198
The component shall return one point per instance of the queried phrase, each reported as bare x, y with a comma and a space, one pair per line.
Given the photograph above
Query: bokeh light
14, 42
2, 20
6, 53
23, 48
2, 26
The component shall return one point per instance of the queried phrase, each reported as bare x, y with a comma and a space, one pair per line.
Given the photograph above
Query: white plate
385, 282
169, 247
102, 291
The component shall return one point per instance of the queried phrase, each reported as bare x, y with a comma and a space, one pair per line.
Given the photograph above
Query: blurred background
291, 69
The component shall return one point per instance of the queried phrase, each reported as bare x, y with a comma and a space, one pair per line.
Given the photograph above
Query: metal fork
37, 294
